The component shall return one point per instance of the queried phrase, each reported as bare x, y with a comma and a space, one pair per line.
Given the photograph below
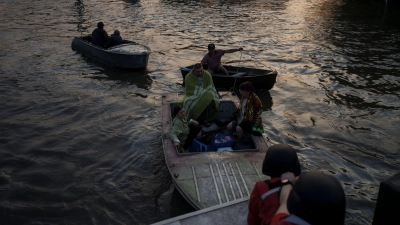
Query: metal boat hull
211, 178
111, 56
261, 79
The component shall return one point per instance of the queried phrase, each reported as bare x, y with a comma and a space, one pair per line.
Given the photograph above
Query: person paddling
213, 59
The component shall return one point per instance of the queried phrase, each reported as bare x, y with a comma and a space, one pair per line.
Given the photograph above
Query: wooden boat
261, 79
128, 55
213, 178
234, 212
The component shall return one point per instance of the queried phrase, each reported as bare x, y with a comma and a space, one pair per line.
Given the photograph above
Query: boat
262, 79
212, 177
128, 55
234, 212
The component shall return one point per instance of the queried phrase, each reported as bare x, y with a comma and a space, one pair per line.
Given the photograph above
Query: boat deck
234, 212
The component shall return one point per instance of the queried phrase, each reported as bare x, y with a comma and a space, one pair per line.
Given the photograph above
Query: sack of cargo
222, 140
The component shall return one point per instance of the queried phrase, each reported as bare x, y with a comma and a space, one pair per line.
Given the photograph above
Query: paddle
185, 69
240, 74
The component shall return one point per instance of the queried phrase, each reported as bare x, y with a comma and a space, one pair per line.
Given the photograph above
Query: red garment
262, 211
278, 219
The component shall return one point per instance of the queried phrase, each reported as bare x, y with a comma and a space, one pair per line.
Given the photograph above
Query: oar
185, 69
240, 60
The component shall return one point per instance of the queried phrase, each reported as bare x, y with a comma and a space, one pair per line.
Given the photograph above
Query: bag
222, 140
257, 130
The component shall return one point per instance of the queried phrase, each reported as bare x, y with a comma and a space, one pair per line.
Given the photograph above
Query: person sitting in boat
315, 198
183, 132
99, 35
249, 113
264, 199
115, 39
201, 99
213, 59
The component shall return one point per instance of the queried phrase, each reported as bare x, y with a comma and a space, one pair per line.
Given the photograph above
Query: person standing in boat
99, 35
183, 132
264, 199
201, 99
313, 198
115, 39
248, 114
213, 59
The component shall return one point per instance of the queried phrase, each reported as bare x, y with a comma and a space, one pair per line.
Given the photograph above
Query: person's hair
198, 66
279, 159
318, 199
211, 46
177, 108
246, 86
100, 24
116, 32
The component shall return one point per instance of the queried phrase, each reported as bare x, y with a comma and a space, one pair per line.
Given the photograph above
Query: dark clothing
245, 125
203, 118
99, 37
114, 40
194, 131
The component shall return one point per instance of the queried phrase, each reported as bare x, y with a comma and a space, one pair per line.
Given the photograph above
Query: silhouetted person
115, 39
99, 35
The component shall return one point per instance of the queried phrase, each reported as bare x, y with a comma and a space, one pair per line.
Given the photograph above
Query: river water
80, 143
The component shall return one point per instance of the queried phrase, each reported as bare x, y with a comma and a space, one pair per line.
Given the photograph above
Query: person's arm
257, 109
175, 131
194, 122
233, 50
285, 190
282, 211
283, 199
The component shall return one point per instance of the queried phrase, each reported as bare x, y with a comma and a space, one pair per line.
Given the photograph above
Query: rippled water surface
80, 143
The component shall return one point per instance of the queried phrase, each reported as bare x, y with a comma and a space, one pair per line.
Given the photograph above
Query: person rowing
213, 59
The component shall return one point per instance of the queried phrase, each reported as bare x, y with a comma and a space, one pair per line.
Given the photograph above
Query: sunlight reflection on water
82, 142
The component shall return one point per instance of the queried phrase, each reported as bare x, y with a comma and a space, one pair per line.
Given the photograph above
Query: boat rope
240, 60
253, 57
232, 89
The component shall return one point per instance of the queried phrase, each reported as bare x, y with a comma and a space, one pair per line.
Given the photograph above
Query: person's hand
176, 144
195, 123
288, 176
